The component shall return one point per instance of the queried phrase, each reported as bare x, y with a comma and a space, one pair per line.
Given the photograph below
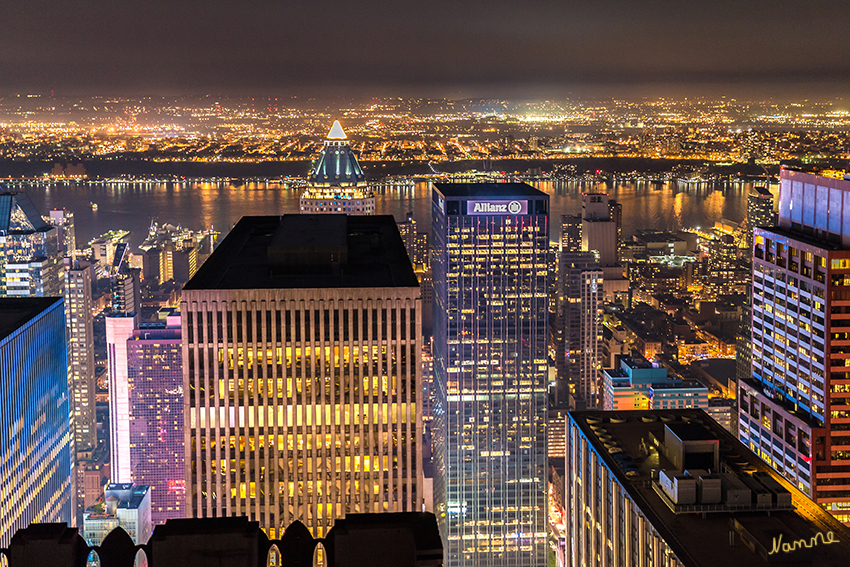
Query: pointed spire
336, 132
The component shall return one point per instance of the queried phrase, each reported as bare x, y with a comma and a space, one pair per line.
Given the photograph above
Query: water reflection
133, 206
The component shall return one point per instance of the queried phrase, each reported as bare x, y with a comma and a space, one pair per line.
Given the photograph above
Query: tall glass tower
490, 364
35, 415
155, 380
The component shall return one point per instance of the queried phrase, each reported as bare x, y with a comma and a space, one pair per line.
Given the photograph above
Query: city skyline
441, 284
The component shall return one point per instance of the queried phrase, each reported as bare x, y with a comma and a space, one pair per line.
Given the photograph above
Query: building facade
577, 330
599, 231
490, 372
35, 410
30, 258
126, 291
155, 386
570, 233
759, 211
337, 182
794, 410
302, 338
81, 377
119, 329
63, 220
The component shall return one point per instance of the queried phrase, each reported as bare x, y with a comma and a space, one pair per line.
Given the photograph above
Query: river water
196, 205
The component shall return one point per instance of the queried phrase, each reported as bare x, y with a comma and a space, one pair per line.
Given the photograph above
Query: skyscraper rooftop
337, 165
18, 214
308, 251
704, 528
488, 190
14, 312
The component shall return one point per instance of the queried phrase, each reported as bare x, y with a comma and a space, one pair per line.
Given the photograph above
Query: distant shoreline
110, 168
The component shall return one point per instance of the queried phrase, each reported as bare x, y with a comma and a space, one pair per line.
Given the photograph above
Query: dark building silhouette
404, 539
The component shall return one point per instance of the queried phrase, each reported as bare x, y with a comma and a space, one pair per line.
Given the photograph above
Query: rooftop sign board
496, 207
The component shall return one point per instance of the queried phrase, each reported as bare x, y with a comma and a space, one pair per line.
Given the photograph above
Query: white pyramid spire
336, 132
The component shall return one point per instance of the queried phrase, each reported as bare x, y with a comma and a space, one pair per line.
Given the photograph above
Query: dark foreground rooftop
308, 251
402, 539
14, 312
708, 536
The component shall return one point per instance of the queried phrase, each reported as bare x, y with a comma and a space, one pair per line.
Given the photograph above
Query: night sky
397, 47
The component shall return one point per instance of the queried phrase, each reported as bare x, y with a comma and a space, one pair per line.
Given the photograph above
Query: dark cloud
269, 46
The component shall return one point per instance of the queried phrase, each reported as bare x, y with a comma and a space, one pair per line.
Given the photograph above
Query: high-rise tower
759, 211
570, 233
119, 328
302, 341
577, 330
35, 427
598, 228
491, 244
30, 261
78, 317
146, 409
337, 182
81, 371
795, 405
155, 381
63, 220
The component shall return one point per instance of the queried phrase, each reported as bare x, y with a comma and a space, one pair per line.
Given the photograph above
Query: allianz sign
496, 207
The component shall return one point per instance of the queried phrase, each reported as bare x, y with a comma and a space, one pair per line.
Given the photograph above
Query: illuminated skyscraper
615, 213
126, 291
722, 273
155, 379
337, 182
491, 244
576, 331
302, 344
794, 407
30, 259
759, 211
570, 233
35, 409
81, 370
146, 409
63, 220
598, 229
119, 328
81, 378
407, 230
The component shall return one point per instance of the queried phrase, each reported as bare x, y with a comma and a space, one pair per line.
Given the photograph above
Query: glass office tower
155, 380
35, 415
490, 336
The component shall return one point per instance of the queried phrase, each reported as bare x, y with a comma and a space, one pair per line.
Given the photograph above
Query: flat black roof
488, 190
805, 238
308, 251
702, 540
14, 312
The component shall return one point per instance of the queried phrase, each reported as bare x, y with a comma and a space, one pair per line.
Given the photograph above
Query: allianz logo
514, 207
